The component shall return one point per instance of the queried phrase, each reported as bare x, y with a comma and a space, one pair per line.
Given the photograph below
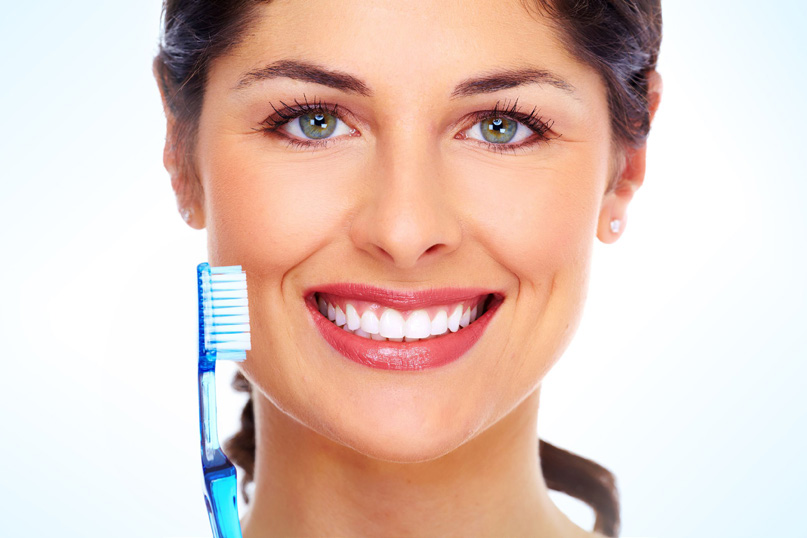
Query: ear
186, 186
630, 169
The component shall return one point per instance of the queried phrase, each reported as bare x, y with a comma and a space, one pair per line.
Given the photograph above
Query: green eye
317, 124
498, 130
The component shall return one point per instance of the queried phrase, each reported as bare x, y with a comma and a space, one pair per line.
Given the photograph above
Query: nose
406, 218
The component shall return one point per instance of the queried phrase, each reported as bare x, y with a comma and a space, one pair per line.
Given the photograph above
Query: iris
498, 130
317, 124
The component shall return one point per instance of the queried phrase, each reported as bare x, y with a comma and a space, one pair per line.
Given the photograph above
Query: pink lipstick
401, 330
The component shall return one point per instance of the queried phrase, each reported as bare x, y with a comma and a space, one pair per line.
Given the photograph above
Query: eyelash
537, 124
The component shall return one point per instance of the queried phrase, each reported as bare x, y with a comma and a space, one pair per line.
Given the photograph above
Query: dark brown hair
620, 39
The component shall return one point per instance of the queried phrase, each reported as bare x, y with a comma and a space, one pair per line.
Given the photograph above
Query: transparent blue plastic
223, 334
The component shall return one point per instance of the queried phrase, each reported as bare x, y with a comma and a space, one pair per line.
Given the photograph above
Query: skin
404, 203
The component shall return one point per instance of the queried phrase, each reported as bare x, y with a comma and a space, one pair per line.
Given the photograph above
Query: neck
306, 484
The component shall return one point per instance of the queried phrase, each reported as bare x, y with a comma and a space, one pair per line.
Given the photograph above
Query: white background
686, 377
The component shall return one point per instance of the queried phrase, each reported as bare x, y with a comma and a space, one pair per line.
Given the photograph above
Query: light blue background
686, 377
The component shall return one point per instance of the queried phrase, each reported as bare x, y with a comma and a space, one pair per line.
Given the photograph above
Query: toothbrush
223, 335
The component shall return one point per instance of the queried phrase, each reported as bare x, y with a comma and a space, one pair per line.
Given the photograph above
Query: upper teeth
363, 319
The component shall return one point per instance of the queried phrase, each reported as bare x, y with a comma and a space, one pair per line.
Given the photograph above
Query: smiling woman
414, 189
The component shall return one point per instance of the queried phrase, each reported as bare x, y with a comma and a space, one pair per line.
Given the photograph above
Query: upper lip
400, 299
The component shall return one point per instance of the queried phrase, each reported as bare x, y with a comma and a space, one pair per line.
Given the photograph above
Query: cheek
268, 214
535, 222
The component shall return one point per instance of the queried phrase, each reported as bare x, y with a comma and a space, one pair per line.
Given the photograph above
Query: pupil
497, 126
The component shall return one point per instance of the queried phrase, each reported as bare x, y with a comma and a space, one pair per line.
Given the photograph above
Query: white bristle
228, 277
237, 328
230, 283
230, 311
217, 340
225, 303
236, 356
231, 346
223, 321
226, 312
229, 294
222, 269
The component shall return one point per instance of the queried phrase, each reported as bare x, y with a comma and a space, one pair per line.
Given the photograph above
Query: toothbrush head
223, 313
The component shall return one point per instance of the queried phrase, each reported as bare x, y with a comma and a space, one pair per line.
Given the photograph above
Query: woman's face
407, 190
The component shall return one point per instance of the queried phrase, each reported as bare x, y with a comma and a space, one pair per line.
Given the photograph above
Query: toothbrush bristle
226, 313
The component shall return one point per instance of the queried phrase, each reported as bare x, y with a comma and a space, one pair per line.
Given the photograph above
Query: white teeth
391, 324
465, 320
353, 319
454, 319
439, 323
340, 317
418, 325
369, 322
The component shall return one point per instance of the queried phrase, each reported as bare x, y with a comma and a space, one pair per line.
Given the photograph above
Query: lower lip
386, 355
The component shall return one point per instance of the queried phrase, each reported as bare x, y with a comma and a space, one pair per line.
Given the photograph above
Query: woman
413, 189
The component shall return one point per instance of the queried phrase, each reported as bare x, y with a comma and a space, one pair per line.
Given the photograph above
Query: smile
411, 330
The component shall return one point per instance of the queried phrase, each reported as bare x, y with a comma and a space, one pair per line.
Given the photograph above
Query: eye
316, 125
508, 129
306, 125
499, 130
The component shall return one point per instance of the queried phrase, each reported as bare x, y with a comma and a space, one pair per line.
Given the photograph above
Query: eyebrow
486, 83
509, 78
307, 72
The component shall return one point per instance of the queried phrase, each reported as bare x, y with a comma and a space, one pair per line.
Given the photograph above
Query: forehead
406, 46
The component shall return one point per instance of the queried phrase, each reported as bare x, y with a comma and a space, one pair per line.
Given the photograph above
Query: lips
409, 330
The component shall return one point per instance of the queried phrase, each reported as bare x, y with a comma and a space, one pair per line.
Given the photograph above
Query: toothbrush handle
219, 472
220, 498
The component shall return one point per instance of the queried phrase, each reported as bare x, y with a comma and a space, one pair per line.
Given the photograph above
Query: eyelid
479, 117
277, 120
539, 127
274, 123
293, 123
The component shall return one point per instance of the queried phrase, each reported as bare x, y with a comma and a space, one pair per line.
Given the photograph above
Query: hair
620, 39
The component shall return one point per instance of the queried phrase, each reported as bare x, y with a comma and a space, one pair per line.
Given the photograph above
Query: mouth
411, 330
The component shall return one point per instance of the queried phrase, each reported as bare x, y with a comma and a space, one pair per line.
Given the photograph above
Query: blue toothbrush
223, 335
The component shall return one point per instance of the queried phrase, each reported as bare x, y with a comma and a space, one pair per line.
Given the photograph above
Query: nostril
433, 248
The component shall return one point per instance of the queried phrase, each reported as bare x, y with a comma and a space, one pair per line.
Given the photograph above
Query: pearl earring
615, 225
186, 214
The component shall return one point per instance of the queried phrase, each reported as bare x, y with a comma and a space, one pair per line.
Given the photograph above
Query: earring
615, 225
186, 214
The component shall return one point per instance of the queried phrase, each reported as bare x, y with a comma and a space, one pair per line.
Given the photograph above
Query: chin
407, 435
401, 445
